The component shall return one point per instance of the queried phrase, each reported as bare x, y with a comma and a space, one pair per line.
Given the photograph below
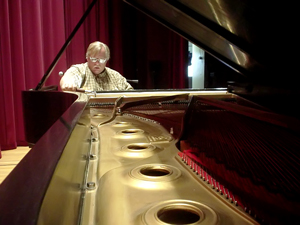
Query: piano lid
251, 36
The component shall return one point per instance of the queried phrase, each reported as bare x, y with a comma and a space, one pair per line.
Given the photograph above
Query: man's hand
68, 87
67, 84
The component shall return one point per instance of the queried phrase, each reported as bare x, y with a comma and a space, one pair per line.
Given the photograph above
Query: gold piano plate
132, 177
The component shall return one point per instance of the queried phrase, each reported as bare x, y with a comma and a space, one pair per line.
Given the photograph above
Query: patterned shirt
108, 80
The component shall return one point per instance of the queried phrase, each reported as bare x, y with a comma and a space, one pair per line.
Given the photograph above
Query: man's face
97, 67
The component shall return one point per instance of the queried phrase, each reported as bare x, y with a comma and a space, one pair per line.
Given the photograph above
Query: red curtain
27, 46
32, 33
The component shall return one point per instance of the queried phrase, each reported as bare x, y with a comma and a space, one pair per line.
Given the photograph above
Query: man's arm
71, 80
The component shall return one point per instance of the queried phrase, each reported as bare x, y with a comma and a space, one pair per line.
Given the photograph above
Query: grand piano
172, 156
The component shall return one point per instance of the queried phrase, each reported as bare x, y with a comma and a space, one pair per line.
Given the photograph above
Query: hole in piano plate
180, 211
155, 172
137, 147
99, 115
178, 215
131, 131
137, 151
122, 123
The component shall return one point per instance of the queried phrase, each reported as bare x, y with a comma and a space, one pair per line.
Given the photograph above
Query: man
94, 75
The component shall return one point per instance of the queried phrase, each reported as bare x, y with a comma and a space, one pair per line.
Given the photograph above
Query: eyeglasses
99, 60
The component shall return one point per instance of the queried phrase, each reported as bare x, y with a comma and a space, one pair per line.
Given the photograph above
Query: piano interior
172, 156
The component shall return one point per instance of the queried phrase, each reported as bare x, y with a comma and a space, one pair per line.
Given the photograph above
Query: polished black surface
41, 109
255, 38
22, 192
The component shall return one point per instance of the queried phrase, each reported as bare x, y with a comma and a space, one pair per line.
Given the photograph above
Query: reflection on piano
173, 156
